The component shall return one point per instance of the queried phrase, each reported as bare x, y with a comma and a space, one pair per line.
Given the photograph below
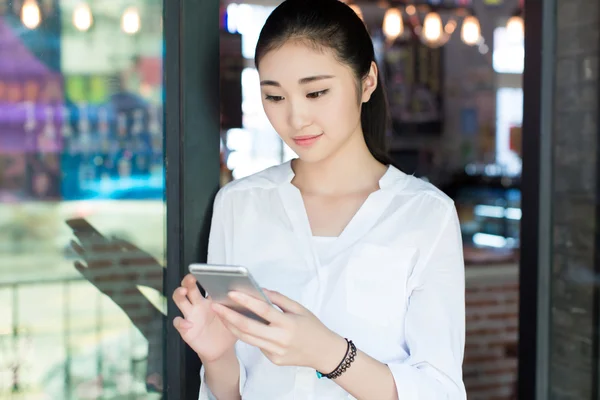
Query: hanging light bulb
411, 10
450, 27
516, 27
470, 32
130, 21
30, 14
432, 27
357, 10
393, 25
82, 17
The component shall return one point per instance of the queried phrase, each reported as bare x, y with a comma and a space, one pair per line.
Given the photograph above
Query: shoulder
427, 191
421, 195
269, 178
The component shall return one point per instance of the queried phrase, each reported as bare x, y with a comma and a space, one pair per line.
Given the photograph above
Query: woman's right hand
200, 326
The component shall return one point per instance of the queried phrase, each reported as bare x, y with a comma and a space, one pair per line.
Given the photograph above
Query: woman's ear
369, 83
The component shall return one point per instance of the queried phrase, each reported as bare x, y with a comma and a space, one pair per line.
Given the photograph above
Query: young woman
364, 261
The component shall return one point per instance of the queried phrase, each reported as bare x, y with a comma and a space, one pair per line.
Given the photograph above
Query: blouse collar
390, 178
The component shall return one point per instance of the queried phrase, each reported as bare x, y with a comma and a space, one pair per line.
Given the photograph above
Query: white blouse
393, 281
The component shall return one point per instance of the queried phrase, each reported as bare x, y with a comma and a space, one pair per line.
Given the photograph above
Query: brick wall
492, 301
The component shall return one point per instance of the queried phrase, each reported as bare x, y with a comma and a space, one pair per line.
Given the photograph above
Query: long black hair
331, 24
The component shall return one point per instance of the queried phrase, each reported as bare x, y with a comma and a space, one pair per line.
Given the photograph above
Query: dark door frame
191, 81
536, 236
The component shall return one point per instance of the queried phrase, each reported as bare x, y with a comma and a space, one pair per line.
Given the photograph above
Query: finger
181, 301
189, 282
258, 307
82, 269
285, 303
182, 325
180, 322
261, 343
77, 248
188, 279
247, 325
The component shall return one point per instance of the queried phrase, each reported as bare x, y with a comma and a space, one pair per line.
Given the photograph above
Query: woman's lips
306, 141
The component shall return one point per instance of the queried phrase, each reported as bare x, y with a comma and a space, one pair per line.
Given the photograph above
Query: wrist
222, 376
331, 353
223, 362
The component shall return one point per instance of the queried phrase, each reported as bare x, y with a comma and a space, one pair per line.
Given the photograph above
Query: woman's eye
314, 95
274, 98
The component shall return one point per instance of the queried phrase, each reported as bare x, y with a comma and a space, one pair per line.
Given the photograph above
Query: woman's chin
311, 156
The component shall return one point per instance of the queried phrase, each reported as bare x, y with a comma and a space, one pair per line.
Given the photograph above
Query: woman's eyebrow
315, 78
306, 80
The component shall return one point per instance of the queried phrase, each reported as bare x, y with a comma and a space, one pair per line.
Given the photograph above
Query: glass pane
81, 160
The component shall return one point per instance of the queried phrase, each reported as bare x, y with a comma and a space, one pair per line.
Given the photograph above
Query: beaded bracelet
344, 365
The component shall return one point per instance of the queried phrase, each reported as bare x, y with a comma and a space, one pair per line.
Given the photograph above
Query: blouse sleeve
205, 393
217, 254
435, 322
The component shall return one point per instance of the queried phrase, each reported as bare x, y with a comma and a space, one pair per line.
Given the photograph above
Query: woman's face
311, 100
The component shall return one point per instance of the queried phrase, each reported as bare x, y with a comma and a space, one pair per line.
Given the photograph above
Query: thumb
182, 325
285, 303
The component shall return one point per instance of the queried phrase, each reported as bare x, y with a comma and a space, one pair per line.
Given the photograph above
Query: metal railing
17, 341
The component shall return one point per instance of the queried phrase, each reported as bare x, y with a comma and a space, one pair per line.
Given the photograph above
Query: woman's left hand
293, 337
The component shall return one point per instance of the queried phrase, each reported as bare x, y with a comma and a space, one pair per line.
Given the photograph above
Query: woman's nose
299, 116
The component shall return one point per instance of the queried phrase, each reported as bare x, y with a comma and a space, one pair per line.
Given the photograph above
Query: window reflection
81, 199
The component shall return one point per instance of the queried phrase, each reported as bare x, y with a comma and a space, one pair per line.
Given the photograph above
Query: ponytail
375, 123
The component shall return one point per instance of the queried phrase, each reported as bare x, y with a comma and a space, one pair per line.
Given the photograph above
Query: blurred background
82, 137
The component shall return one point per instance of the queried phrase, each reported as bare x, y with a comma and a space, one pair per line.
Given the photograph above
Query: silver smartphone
219, 280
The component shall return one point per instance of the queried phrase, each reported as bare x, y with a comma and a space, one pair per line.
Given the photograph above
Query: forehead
296, 60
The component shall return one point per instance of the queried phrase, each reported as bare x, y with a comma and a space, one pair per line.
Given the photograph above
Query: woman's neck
350, 170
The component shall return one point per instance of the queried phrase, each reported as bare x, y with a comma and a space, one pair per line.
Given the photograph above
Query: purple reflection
31, 98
